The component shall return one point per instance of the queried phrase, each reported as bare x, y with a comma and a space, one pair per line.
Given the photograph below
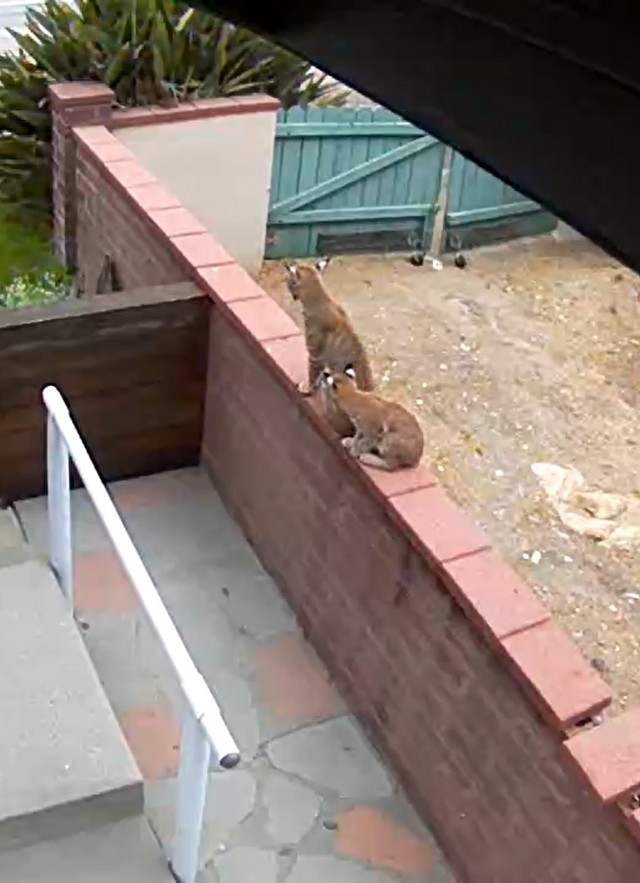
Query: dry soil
528, 354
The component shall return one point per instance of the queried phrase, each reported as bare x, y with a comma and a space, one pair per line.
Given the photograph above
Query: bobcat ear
321, 264
291, 270
350, 371
327, 377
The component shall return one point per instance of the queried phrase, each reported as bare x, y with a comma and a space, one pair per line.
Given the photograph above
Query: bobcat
330, 336
387, 435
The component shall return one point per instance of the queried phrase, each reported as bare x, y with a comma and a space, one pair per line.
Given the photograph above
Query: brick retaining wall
482, 704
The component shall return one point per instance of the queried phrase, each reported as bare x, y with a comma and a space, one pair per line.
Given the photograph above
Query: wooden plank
100, 325
126, 457
346, 130
456, 183
59, 359
492, 213
22, 389
111, 414
291, 157
353, 195
342, 165
81, 344
321, 120
105, 303
326, 168
178, 445
76, 336
349, 177
440, 219
52, 343
310, 153
350, 160
308, 175
146, 373
132, 367
27, 446
276, 171
475, 190
357, 213
387, 181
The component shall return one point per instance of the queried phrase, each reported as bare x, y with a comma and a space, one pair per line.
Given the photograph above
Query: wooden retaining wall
132, 367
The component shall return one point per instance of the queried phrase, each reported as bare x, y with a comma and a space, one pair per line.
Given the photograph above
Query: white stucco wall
220, 169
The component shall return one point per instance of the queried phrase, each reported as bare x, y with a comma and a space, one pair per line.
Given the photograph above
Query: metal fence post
59, 508
193, 775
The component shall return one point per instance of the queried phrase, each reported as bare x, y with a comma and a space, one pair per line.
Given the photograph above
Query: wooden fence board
364, 179
132, 367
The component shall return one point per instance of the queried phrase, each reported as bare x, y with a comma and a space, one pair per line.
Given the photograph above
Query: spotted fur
330, 337
387, 435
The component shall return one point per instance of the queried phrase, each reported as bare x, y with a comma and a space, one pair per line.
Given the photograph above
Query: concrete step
122, 852
13, 546
64, 764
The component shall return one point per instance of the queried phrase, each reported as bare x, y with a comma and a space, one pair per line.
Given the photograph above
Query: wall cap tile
608, 756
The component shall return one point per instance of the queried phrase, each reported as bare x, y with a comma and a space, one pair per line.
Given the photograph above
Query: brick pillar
72, 104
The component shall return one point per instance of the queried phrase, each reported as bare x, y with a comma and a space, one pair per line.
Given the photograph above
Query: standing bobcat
387, 435
330, 337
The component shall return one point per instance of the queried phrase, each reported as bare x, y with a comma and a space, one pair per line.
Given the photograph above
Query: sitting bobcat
387, 435
330, 337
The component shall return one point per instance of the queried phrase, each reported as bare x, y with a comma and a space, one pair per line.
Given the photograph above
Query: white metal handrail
203, 728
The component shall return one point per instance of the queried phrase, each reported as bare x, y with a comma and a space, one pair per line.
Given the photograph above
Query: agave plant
148, 52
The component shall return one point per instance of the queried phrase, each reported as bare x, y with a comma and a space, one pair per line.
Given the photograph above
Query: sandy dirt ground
528, 354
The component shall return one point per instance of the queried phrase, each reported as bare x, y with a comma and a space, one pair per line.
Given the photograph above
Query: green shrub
148, 52
35, 288
29, 273
23, 248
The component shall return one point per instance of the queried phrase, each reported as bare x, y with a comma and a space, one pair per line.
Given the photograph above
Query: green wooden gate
483, 209
364, 179
351, 179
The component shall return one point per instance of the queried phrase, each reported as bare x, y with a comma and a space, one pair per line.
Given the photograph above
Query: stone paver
333, 756
167, 488
60, 744
369, 836
100, 583
312, 802
252, 603
247, 864
13, 548
153, 734
231, 798
88, 534
291, 807
293, 684
112, 640
123, 851
326, 869
238, 708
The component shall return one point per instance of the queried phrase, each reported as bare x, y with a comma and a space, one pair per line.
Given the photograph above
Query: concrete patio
311, 800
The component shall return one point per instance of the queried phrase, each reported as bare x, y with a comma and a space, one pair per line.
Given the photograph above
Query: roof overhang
544, 94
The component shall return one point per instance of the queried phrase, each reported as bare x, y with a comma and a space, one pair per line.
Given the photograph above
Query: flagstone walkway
312, 802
